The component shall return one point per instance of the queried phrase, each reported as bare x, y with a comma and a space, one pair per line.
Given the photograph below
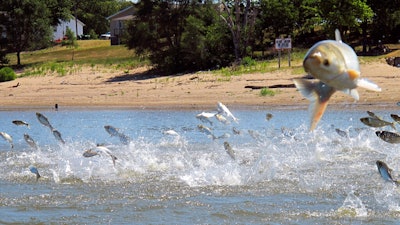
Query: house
118, 24
60, 29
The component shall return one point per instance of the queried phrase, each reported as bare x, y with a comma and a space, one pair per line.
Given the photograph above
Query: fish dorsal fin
337, 36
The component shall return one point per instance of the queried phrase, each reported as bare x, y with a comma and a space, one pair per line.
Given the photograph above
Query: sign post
281, 44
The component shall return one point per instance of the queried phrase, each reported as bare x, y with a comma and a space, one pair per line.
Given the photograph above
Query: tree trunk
18, 58
76, 21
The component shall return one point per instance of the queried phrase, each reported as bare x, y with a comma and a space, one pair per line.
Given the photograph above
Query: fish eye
326, 62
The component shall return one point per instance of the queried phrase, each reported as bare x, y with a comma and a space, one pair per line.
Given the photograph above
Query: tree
59, 9
240, 17
331, 12
27, 24
385, 20
71, 41
206, 40
158, 30
279, 16
94, 12
180, 35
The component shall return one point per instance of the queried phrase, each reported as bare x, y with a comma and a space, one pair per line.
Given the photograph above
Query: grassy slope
88, 52
100, 52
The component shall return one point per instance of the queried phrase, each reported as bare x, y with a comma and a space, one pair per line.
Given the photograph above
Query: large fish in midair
336, 66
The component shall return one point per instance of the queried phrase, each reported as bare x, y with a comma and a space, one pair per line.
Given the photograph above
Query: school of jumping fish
332, 62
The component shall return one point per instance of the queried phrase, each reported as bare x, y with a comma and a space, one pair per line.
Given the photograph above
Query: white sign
283, 43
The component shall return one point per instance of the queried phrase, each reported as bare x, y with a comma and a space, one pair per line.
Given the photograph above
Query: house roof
125, 14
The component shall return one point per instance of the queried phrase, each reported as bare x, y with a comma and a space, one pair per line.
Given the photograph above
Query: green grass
94, 53
266, 66
267, 92
100, 55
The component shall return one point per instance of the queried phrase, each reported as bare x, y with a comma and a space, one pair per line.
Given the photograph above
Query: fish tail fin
38, 176
318, 94
369, 85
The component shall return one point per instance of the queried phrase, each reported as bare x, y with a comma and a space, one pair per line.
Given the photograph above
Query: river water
281, 174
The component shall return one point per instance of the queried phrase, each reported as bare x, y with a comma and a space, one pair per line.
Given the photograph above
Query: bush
266, 91
248, 61
7, 74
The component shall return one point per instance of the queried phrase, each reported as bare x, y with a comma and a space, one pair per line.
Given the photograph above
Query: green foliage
240, 18
332, 13
3, 58
93, 34
7, 74
191, 35
70, 42
28, 25
281, 18
255, 67
248, 61
94, 13
267, 92
52, 68
176, 39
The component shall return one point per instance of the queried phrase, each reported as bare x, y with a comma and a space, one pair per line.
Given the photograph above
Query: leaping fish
34, 170
171, 132
375, 122
229, 150
30, 141
206, 130
20, 123
8, 138
115, 132
222, 109
111, 130
57, 135
395, 117
100, 149
388, 136
342, 133
386, 172
205, 117
336, 66
43, 120
90, 153
222, 119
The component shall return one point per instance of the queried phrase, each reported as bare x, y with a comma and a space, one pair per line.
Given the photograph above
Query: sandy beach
202, 90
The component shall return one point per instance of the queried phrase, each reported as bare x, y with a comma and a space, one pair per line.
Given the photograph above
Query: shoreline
110, 89
332, 107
